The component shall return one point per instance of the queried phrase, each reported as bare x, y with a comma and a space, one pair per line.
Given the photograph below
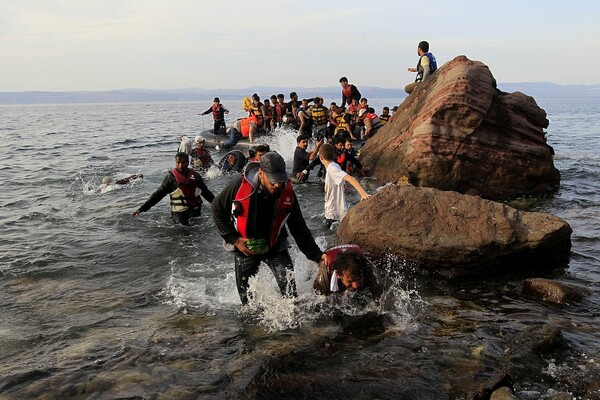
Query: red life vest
244, 215
268, 112
216, 112
333, 252
341, 158
347, 93
185, 197
203, 156
280, 111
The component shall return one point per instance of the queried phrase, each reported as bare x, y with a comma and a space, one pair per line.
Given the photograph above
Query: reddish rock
452, 234
457, 132
554, 291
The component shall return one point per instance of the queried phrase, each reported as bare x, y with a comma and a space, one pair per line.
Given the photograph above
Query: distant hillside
547, 89
330, 92
190, 94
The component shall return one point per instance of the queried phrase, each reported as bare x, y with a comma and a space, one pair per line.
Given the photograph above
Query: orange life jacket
245, 125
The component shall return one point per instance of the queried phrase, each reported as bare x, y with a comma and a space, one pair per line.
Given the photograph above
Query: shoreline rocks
451, 235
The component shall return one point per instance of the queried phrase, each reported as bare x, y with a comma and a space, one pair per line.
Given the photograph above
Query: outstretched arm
356, 184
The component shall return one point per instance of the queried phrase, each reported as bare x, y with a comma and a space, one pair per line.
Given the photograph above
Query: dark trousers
234, 136
219, 127
281, 266
183, 217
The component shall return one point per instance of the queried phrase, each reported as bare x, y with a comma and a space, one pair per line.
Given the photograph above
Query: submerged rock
450, 234
457, 132
554, 291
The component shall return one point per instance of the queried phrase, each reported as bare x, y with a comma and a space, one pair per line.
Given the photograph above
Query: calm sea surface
97, 304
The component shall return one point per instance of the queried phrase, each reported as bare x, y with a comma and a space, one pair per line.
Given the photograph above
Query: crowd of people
254, 212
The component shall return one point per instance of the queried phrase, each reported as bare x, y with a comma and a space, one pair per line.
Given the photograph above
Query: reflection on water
97, 304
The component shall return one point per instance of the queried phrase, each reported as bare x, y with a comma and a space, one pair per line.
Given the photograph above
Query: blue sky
114, 44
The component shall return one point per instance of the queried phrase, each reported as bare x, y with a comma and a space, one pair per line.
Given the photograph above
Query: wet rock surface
449, 234
553, 291
456, 131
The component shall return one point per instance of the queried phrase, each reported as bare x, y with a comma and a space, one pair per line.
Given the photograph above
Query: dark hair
273, 97
293, 94
340, 139
370, 110
182, 156
255, 97
327, 151
365, 99
424, 46
216, 100
262, 148
354, 263
302, 137
280, 96
386, 108
343, 79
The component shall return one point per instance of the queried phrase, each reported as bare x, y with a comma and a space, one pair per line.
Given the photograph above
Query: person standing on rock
426, 66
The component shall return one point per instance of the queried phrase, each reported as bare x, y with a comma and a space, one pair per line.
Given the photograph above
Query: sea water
97, 304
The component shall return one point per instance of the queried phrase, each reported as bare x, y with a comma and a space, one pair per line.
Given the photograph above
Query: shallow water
97, 304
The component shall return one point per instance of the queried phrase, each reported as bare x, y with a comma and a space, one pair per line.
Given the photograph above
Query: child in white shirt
335, 197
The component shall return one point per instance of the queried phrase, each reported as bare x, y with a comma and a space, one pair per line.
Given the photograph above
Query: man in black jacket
184, 186
251, 214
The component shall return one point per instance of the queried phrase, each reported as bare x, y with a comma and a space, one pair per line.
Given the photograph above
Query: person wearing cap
218, 112
253, 214
184, 186
349, 92
201, 158
394, 110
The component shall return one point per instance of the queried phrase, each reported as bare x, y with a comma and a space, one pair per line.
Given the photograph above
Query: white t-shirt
335, 198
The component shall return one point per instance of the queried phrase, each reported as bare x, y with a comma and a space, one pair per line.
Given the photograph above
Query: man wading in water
251, 214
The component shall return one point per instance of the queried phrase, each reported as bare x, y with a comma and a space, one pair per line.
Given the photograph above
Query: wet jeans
233, 138
281, 266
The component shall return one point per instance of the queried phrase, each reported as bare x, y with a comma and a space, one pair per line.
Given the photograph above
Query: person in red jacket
184, 186
218, 112
253, 214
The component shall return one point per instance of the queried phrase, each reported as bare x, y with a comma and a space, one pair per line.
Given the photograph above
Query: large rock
457, 132
452, 234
